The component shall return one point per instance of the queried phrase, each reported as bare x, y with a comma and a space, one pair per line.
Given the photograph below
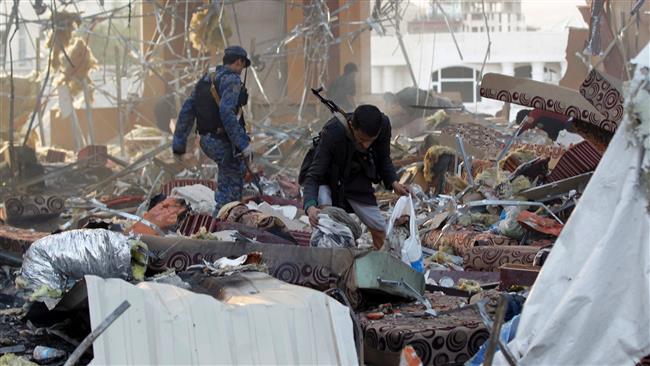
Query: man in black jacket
348, 159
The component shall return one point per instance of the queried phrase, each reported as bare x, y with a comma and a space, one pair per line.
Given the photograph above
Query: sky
545, 13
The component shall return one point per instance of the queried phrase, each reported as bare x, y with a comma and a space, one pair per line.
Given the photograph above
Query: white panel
590, 304
286, 324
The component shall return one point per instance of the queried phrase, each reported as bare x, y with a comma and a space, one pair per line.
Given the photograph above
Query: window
474, 29
550, 75
459, 79
524, 72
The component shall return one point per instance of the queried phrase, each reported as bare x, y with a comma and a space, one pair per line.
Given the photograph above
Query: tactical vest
206, 105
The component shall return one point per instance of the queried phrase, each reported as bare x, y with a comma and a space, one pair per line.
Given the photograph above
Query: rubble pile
118, 253
485, 212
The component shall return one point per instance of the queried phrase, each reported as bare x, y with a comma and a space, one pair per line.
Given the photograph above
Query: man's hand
401, 189
247, 154
313, 212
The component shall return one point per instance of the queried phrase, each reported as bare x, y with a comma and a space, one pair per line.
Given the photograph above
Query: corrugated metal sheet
281, 324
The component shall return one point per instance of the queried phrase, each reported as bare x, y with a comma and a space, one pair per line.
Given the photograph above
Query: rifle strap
215, 93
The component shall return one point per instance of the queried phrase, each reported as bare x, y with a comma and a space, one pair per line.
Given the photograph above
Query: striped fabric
578, 159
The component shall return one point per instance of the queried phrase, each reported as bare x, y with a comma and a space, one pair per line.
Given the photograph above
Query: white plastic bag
411, 248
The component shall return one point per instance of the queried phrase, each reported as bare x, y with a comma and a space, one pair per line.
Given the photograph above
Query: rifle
329, 103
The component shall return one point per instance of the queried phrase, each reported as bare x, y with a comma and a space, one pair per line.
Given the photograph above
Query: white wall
515, 47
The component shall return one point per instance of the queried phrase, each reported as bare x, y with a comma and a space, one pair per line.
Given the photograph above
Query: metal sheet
278, 323
382, 265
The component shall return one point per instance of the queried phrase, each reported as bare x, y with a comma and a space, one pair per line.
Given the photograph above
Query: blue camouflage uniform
222, 150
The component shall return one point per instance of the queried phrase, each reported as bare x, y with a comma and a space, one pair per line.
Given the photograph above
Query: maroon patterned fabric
55, 156
461, 240
445, 339
580, 158
490, 258
193, 223
26, 206
603, 95
599, 139
318, 268
555, 100
491, 142
477, 136
302, 237
96, 155
18, 240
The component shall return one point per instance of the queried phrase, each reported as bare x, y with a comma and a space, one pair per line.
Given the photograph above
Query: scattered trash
251, 262
411, 249
492, 195
13, 349
45, 355
331, 234
198, 197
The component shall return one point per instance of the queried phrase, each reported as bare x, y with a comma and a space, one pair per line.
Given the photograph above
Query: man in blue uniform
215, 104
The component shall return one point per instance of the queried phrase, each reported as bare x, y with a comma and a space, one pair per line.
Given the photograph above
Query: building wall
638, 34
260, 23
509, 50
467, 16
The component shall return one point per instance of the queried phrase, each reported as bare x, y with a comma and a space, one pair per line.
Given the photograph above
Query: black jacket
331, 158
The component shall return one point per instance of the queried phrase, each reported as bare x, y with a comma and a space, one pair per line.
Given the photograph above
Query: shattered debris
505, 226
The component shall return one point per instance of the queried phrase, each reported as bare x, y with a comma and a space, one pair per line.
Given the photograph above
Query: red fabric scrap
540, 224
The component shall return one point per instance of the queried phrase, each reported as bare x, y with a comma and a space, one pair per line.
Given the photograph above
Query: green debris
469, 285
438, 119
139, 259
10, 359
44, 292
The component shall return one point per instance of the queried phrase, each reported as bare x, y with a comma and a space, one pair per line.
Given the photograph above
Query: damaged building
325, 182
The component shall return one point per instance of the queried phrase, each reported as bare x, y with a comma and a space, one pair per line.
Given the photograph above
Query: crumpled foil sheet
59, 260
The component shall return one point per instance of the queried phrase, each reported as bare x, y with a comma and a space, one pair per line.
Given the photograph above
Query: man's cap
238, 51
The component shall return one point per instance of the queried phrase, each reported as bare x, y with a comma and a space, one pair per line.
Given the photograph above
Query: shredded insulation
64, 24
73, 75
205, 32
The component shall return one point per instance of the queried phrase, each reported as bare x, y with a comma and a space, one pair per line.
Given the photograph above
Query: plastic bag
331, 234
411, 248
507, 224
